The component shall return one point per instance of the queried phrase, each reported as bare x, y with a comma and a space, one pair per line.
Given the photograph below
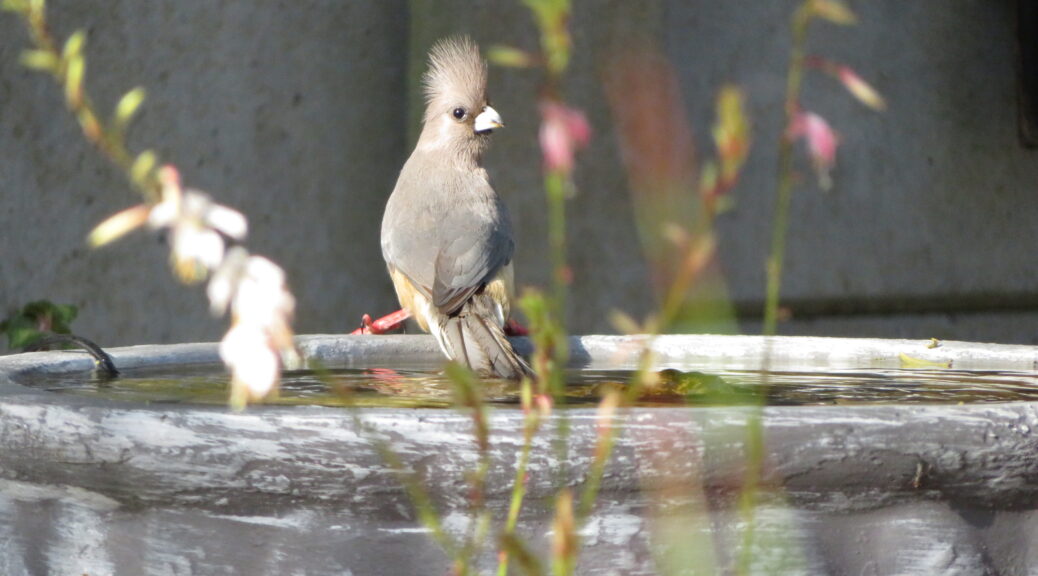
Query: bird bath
116, 478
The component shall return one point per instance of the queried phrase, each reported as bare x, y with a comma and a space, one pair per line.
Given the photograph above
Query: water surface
425, 387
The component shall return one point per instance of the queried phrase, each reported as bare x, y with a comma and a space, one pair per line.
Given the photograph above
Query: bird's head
458, 115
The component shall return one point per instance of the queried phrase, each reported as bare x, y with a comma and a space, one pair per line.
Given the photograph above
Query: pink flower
564, 130
822, 142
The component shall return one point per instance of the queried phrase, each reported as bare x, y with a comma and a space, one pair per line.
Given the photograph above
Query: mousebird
446, 235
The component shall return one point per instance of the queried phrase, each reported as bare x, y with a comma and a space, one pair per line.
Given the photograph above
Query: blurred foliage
28, 325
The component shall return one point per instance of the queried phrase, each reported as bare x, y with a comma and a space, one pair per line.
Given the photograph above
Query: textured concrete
300, 114
292, 113
109, 487
933, 202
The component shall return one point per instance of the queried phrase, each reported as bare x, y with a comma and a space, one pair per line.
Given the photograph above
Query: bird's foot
514, 328
387, 323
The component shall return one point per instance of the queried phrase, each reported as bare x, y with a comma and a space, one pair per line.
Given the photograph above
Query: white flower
261, 295
259, 342
197, 227
255, 365
225, 280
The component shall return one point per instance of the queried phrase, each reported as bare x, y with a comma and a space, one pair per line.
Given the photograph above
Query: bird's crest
456, 70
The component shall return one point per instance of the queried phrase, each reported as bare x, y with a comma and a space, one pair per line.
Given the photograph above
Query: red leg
382, 325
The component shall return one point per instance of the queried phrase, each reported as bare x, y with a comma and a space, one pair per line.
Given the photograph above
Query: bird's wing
447, 244
472, 254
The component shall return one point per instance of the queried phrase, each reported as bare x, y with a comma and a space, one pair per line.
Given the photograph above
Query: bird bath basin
868, 467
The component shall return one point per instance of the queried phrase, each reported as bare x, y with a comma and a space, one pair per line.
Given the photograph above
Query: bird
446, 235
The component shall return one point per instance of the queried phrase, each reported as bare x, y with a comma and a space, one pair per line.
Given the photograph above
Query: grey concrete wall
293, 113
301, 115
934, 201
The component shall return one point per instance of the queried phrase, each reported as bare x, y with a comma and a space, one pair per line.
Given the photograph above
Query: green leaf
36, 319
913, 362
75, 69
142, 168
698, 388
18, 6
63, 315
74, 45
510, 57
624, 323
41, 60
834, 11
22, 336
127, 107
731, 132
118, 225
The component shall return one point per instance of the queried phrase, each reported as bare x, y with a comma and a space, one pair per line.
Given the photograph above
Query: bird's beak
487, 121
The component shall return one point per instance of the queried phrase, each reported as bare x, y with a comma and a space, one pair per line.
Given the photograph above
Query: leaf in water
913, 362
695, 387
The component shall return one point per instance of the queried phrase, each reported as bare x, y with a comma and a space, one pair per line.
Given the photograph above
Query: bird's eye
458, 113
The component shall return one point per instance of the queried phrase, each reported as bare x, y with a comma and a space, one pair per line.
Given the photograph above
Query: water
418, 387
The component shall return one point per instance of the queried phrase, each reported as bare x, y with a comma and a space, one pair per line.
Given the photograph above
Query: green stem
603, 452
108, 140
557, 184
531, 425
776, 259
751, 484
780, 225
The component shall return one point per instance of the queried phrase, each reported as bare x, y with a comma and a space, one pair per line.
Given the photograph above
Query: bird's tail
475, 338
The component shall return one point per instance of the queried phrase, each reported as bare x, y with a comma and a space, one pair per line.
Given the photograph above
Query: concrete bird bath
95, 485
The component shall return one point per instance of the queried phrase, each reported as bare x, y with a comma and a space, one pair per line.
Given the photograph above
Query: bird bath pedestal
98, 486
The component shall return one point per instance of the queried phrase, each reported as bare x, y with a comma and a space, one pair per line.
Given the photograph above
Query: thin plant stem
776, 259
603, 452
468, 395
751, 483
419, 497
109, 138
531, 425
556, 186
780, 225
416, 492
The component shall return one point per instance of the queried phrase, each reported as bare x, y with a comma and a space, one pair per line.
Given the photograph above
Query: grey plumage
446, 236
